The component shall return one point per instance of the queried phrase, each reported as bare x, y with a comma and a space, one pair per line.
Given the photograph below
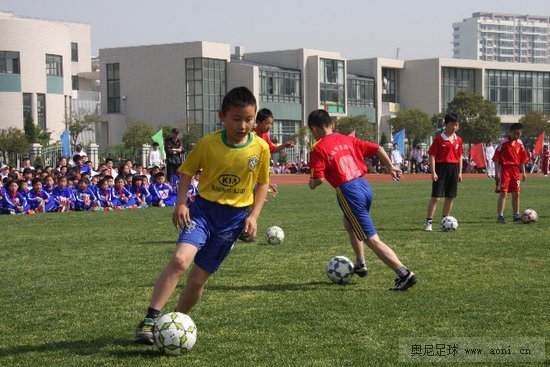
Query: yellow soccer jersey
229, 173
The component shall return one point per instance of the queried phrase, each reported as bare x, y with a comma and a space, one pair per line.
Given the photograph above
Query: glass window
389, 80
454, 80
54, 65
41, 110
75, 82
361, 92
9, 62
27, 105
332, 85
113, 88
280, 86
74, 51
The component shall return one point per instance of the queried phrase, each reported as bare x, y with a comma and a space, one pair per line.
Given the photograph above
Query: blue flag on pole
399, 139
66, 142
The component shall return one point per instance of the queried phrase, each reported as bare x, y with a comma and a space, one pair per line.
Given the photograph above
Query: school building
45, 72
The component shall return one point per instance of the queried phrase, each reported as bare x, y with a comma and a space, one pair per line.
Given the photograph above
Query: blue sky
355, 28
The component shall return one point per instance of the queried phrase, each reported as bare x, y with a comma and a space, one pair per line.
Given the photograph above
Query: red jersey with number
340, 158
510, 152
446, 151
266, 137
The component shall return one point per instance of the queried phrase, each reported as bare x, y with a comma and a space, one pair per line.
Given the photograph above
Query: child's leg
432, 205
192, 292
170, 276
447, 206
515, 202
384, 252
356, 244
501, 203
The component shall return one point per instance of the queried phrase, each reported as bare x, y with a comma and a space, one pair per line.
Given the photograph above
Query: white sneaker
428, 226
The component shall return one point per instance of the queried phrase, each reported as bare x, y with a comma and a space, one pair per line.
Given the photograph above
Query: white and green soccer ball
275, 235
175, 333
340, 270
529, 215
449, 223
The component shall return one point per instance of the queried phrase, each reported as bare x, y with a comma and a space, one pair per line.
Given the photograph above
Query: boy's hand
460, 177
181, 216
250, 228
434, 177
523, 176
396, 173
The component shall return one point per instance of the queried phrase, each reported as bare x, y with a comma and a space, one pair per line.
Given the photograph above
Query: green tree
137, 133
13, 141
477, 116
359, 124
30, 129
77, 124
383, 139
304, 138
417, 125
534, 123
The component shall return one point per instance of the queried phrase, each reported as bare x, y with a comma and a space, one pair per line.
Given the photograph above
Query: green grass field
74, 285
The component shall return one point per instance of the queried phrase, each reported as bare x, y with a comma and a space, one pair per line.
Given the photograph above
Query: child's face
119, 184
138, 183
160, 180
94, 180
49, 181
451, 127
515, 134
13, 187
37, 186
62, 183
24, 186
265, 125
82, 185
238, 122
111, 181
104, 185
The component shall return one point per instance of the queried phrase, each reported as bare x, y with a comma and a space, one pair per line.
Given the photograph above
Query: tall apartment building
45, 72
503, 37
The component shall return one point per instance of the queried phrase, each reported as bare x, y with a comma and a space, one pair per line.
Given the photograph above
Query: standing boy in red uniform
339, 159
264, 123
510, 154
446, 154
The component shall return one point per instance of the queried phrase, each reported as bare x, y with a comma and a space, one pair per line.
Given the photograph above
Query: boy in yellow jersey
233, 161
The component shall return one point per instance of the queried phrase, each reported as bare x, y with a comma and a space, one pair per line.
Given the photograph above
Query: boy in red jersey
446, 154
264, 123
510, 154
339, 159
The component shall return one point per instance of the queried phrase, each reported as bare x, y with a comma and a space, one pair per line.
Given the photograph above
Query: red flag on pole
476, 153
539, 144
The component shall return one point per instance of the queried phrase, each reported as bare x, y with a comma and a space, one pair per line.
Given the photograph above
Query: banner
477, 155
539, 144
399, 139
66, 143
160, 140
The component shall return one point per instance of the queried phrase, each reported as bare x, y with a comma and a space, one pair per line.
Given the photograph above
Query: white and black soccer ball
274, 235
529, 215
449, 223
175, 333
340, 270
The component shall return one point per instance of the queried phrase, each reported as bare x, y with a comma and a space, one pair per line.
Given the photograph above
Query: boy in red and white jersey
510, 154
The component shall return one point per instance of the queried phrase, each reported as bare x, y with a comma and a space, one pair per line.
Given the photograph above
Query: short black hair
319, 118
238, 97
516, 126
263, 114
36, 180
450, 117
155, 144
159, 174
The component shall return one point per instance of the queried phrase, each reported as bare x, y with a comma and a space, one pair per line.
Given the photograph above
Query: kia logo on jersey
229, 180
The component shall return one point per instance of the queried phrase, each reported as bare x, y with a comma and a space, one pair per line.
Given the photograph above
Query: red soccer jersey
339, 158
266, 137
446, 152
510, 152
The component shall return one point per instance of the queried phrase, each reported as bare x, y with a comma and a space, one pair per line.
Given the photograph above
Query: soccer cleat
361, 270
517, 218
402, 284
428, 226
144, 333
501, 220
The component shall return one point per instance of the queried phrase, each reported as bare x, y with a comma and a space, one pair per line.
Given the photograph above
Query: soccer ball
449, 223
275, 235
340, 270
529, 215
175, 333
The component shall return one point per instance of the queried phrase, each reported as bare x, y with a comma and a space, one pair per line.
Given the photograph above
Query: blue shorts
355, 198
214, 229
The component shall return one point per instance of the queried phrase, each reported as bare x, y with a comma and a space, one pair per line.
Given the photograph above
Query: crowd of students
77, 186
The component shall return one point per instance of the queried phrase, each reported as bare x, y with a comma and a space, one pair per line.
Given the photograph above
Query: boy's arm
497, 171
522, 169
394, 171
460, 168
288, 144
251, 223
432, 168
314, 182
181, 217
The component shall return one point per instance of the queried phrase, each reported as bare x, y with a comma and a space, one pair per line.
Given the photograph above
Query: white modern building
44, 66
503, 37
